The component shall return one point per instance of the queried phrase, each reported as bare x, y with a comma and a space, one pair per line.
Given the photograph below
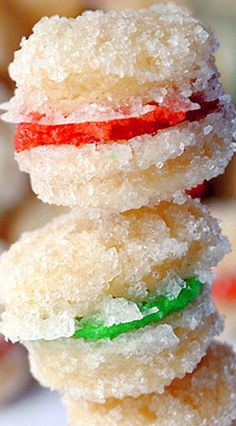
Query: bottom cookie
205, 397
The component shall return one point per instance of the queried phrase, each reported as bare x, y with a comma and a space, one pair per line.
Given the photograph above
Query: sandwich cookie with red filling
121, 109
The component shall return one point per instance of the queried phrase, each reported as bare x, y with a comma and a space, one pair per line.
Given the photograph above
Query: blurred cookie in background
28, 216
15, 378
11, 31
14, 372
228, 183
36, 9
225, 186
121, 4
13, 184
127, 4
224, 286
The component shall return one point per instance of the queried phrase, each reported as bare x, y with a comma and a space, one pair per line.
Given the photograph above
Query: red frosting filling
31, 135
200, 191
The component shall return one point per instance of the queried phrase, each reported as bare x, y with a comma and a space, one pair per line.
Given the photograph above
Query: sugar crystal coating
205, 397
108, 58
66, 269
134, 363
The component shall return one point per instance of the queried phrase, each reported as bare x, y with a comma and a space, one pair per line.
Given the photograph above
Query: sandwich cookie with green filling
116, 306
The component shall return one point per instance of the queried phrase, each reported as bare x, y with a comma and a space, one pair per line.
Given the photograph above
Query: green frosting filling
93, 329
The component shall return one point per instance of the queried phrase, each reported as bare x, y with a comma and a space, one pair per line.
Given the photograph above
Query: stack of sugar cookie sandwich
118, 115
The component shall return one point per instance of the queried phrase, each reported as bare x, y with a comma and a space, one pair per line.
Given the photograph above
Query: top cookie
112, 59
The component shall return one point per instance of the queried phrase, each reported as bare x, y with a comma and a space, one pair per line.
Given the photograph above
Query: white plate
38, 408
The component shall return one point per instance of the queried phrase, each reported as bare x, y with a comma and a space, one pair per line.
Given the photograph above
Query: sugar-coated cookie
205, 397
110, 117
75, 267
